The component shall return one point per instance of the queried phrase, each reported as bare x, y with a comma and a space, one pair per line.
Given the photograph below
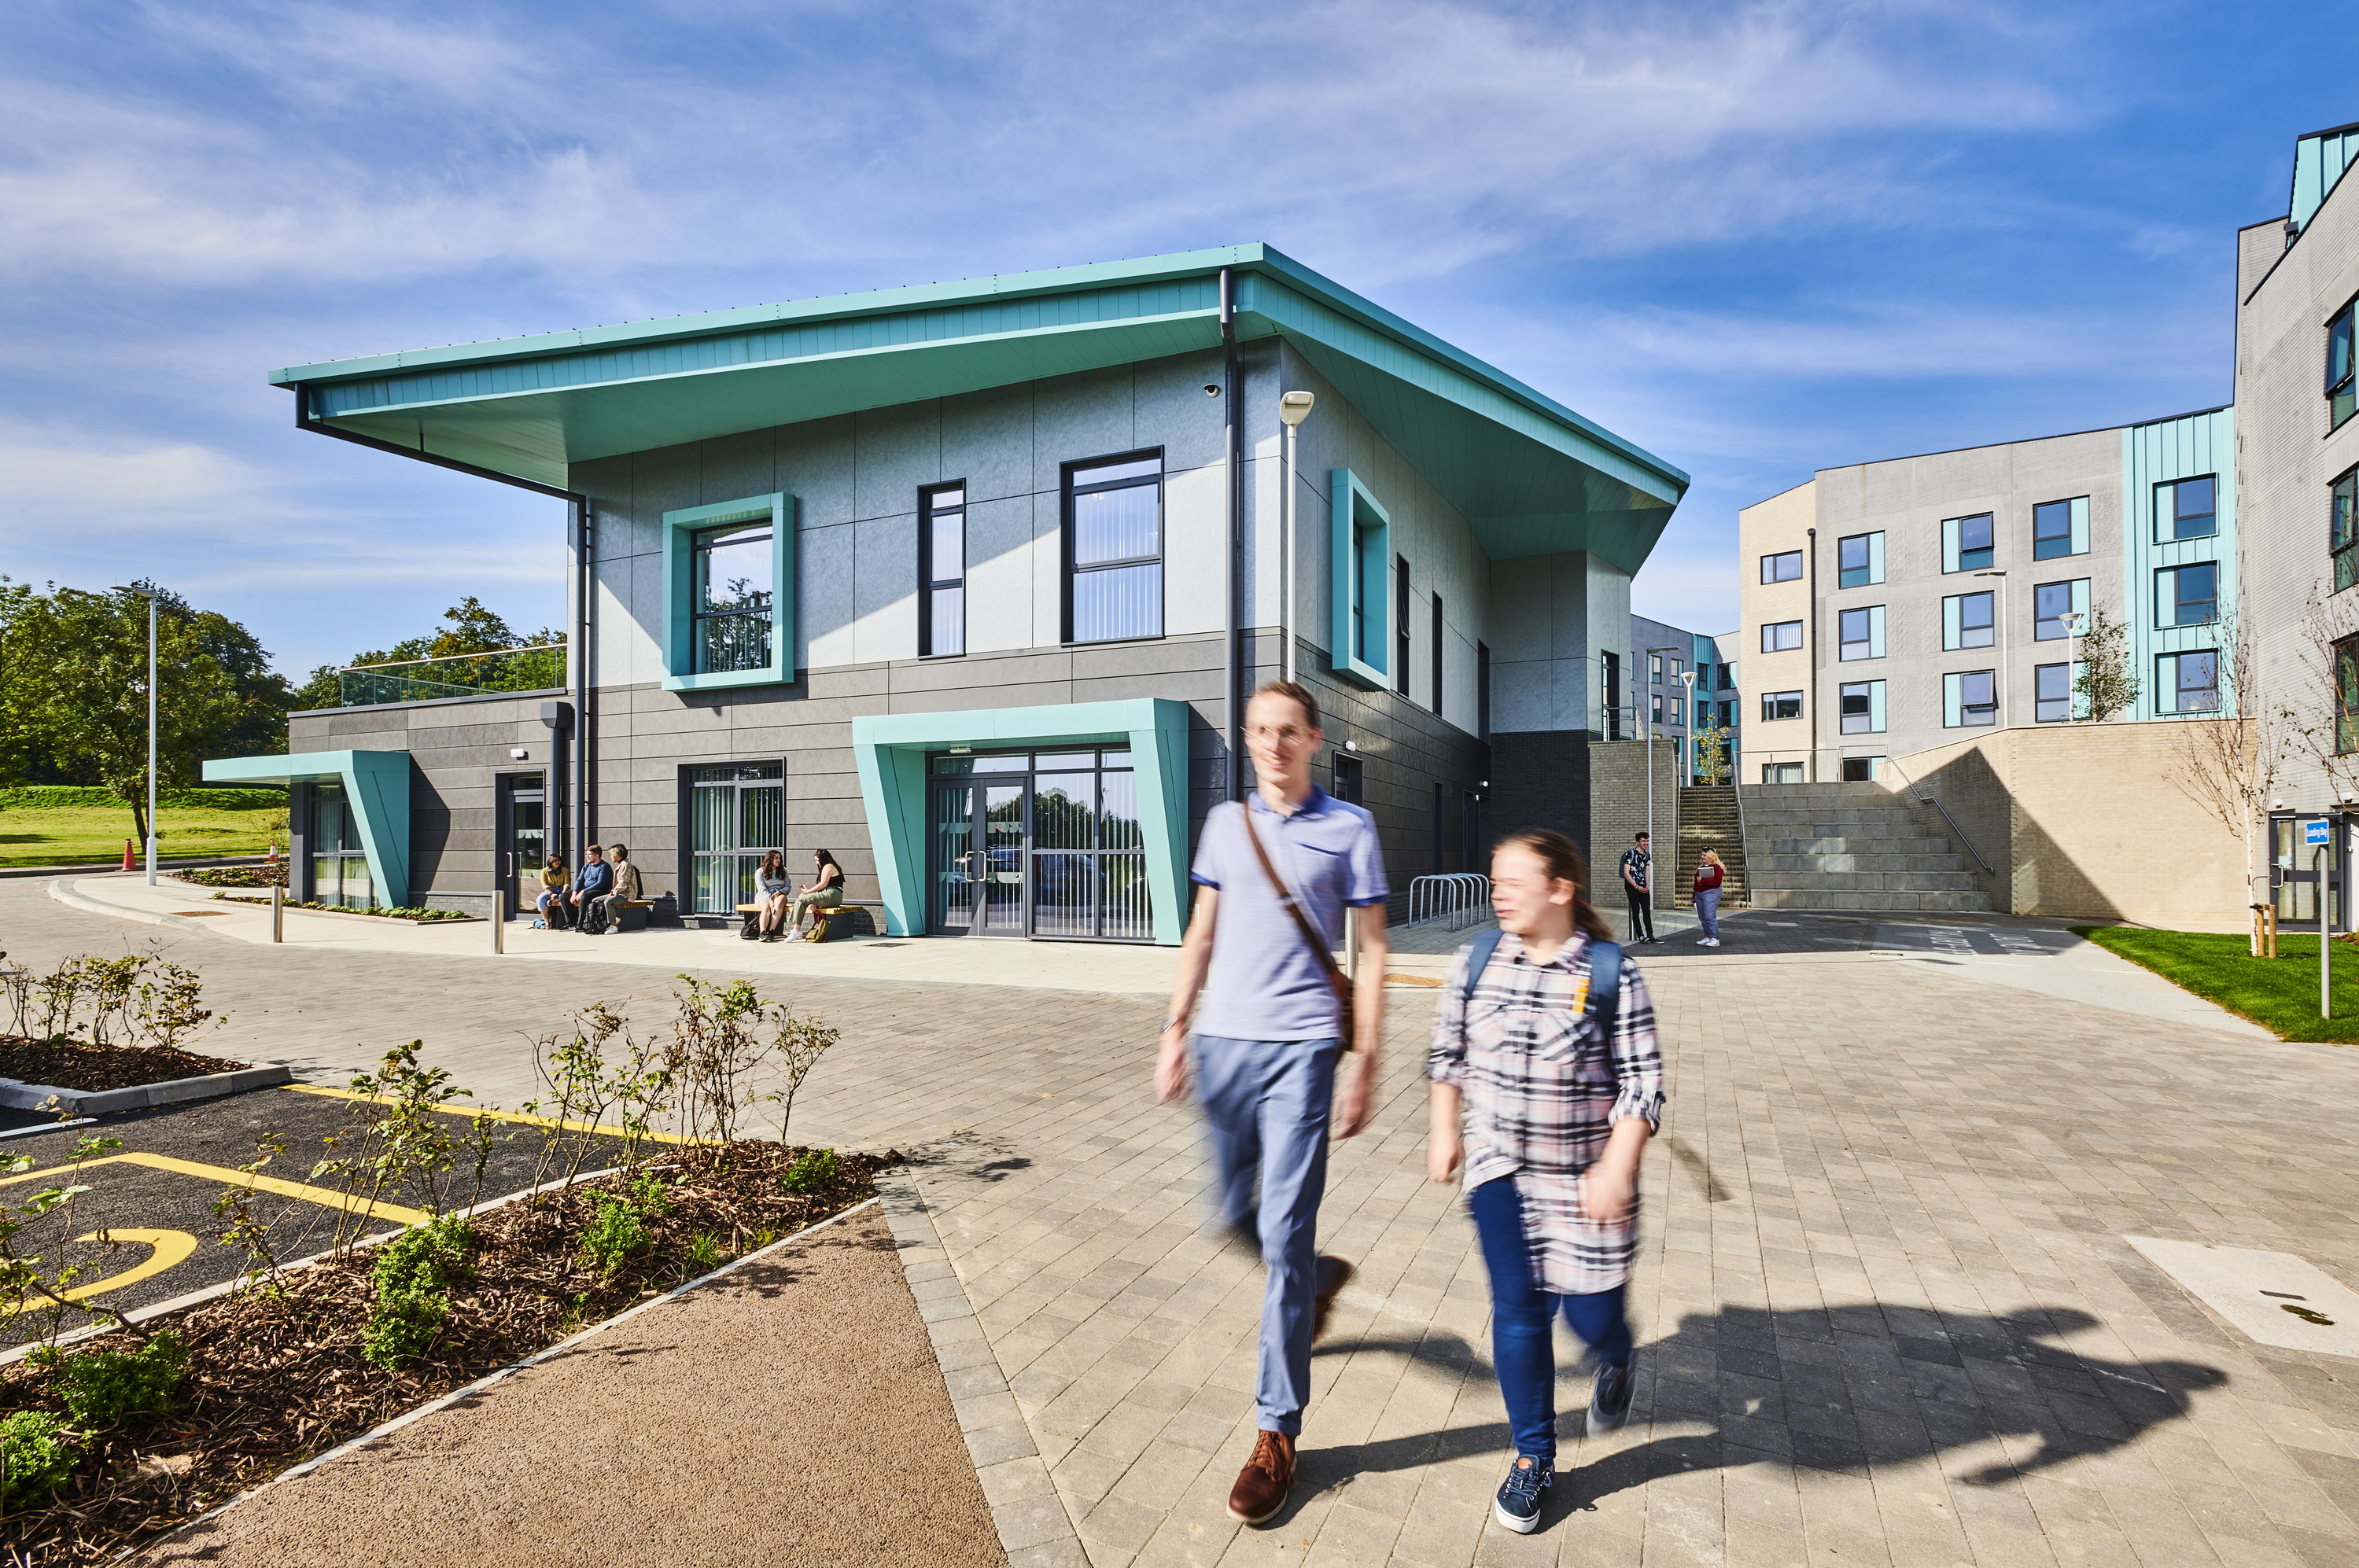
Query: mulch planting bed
263, 876
68, 1063
275, 1374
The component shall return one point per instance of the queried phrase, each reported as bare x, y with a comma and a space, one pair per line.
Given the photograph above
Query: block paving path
1886, 1309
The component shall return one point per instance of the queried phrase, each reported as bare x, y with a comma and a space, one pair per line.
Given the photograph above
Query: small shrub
616, 1233
814, 1170
704, 1249
34, 1457
102, 1387
414, 1275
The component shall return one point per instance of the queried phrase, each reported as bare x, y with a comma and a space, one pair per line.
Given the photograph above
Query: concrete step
1861, 845
1843, 814
1895, 903
1789, 866
1765, 882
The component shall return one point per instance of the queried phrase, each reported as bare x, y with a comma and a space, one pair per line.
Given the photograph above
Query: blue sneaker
1609, 1399
1518, 1506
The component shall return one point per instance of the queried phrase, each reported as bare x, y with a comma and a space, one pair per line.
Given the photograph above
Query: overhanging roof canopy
1533, 477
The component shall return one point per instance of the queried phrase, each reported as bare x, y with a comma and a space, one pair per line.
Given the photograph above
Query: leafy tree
2107, 685
472, 627
74, 690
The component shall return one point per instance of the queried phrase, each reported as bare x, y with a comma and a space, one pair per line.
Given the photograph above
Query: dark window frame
1773, 700
1845, 642
2173, 536
1965, 707
1988, 551
1866, 714
1989, 628
1780, 558
2040, 542
929, 581
1400, 624
2043, 707
701, 542
2175, 687
1068, 571
1845, 571
1435, 601
1481, 691
2038, 619
1768, 633
2342, 359
2344, 652
2175, 600
2342, 528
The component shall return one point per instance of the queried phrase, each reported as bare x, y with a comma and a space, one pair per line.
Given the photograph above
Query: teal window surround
376, 787
679, 585
1361, 551
891, 749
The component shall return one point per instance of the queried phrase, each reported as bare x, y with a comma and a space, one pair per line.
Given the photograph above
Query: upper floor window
2060, 528
1481, 691
2343, 530
1727, 679
2053, 606
1400, 624
1781, 705
1113, 549
2346, 695
2188, 683
1863, 707
2051, 694
2339, 384
1970, 698
2187, 596
1436, 653
1785, 566
1657, 708
2184, 509
941, 570
1781, 636
732, 596
1862, 633
1860, 559
1679, 710
1654, 669
1967, 544
1967, 620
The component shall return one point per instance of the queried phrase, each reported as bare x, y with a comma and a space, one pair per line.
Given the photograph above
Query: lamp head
1294, 408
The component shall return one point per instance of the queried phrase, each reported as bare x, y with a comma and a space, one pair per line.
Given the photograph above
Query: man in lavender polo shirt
1269, 1045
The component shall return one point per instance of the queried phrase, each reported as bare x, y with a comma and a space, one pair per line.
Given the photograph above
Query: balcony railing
538, 668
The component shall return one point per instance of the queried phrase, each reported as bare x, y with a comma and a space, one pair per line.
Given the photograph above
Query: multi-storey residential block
1891, 607
1669, 706
966, 583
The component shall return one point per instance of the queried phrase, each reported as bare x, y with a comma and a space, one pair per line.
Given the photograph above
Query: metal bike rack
1462, 898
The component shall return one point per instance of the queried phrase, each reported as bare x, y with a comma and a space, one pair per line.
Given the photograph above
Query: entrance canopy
1533, 477
892, 748
376, 787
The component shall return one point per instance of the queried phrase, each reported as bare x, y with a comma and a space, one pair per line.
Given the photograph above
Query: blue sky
1756, 239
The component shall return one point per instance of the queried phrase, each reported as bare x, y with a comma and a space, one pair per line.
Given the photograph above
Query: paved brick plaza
1886, 1311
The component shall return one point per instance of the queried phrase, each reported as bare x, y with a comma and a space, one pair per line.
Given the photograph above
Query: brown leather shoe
1262, 1484
1333, 1274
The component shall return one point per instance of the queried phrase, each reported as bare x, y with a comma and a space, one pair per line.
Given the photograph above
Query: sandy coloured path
790, 1413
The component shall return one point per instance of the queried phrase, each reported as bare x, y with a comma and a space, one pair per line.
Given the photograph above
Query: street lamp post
1647, 731
149, 595
1687, 679
2074, 624
1293, 408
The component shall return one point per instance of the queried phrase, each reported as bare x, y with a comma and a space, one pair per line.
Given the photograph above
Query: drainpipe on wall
1232, 773
1812, 632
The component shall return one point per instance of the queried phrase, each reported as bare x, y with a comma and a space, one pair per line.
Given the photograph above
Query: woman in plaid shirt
1558, 1105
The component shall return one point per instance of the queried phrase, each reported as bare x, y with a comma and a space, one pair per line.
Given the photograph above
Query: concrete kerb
62, 891
1035, 1530
481, 1384
140, 1096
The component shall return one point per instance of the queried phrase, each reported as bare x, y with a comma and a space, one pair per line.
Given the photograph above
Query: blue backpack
1604, 959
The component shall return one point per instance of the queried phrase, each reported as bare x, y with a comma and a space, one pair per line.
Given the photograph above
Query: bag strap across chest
1604, 959
1285, 901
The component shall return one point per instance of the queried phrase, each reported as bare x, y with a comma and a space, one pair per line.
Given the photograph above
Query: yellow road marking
323, 1197
496, 1115
172, 1247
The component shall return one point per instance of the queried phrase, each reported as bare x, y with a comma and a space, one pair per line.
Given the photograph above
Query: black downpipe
584, 585
1811, 625
1231, 768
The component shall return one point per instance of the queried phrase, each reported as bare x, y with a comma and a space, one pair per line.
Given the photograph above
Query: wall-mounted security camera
1211, 389
519, 754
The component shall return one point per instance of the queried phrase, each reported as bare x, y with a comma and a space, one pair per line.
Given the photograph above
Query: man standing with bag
1282, 1036
1638, 881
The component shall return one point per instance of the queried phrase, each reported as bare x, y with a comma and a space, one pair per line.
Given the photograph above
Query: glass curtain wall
1040, 844
737, 814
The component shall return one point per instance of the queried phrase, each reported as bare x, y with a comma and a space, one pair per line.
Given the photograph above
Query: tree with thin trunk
2226, 764
2106, 685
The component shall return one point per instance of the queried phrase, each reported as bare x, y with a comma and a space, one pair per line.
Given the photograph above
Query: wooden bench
825, 922
629, 915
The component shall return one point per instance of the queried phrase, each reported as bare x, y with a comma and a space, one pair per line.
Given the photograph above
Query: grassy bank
2280, 994
69, 825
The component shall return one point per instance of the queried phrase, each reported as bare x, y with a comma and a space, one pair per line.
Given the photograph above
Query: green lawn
2280, 994
71, 827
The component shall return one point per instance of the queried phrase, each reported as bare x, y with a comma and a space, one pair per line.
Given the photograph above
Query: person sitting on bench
826, 891
625, 890
590, 884
551, 899
773, 889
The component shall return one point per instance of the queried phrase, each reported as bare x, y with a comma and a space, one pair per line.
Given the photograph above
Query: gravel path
791, 1413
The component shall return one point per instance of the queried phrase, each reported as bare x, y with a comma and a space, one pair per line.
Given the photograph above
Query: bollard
277, 912
499, 920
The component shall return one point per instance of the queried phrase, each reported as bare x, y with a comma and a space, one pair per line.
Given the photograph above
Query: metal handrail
1988, 869
1459, 895
446, 658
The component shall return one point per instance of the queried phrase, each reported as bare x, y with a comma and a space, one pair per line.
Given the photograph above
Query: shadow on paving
1828, 1390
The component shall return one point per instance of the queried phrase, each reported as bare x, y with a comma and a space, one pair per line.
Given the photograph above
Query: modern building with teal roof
965, 584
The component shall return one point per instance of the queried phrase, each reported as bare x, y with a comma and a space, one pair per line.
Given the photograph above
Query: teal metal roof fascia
940, 304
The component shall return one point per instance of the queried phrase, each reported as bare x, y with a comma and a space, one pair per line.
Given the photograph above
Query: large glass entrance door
1044, 845
978, 853
339, 870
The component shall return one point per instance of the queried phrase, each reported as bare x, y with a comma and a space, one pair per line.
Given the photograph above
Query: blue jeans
1266, 1103
1708, 911
1521, 1315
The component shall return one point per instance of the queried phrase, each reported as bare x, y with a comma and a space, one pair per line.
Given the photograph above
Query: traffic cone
129, 863
273, 857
